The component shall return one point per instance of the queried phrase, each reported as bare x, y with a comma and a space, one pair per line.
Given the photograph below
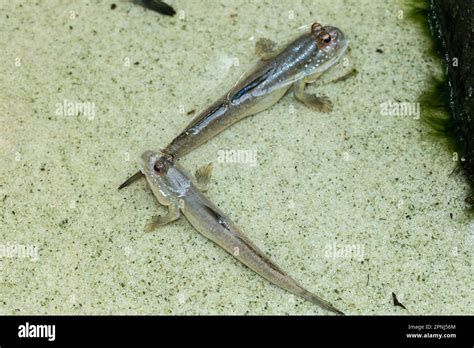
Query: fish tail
318, 301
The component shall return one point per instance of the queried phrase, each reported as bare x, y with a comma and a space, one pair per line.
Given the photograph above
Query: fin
293, 287
158, 6
319, 301
265, 48
159, 220
321, 104
132, 179
351, 73
203, 176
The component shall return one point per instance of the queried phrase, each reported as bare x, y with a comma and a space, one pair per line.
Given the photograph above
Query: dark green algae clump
447, 104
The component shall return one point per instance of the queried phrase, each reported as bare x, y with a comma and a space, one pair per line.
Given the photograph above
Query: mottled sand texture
376, 186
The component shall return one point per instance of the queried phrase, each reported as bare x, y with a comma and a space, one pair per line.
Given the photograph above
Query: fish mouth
342, 50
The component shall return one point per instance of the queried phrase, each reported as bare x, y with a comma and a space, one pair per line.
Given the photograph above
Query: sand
354, 204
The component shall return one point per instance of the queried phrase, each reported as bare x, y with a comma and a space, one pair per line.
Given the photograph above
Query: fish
297, 64
173, 188
300, 62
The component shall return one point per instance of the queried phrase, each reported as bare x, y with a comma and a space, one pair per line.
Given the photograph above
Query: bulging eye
316, 27
159, 168
325, 37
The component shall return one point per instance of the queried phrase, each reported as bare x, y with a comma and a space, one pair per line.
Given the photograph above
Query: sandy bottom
354, 204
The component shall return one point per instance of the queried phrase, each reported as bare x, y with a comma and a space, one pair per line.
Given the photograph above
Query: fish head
166, 179
331, 46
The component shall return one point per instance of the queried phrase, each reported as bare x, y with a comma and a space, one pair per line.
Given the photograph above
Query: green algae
436, 101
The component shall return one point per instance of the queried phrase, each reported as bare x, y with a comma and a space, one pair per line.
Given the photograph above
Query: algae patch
447, 102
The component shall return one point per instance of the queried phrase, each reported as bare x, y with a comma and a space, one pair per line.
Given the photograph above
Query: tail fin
158, 6
319, 301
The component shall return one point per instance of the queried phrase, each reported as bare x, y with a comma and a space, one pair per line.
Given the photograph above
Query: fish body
302, 61
173, 188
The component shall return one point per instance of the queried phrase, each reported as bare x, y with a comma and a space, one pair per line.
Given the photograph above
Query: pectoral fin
159, 220
265, 48
351, 73
321, 104
203, 176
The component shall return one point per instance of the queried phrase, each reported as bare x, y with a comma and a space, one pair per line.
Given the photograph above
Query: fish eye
325, 37
316, 27
159, 168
